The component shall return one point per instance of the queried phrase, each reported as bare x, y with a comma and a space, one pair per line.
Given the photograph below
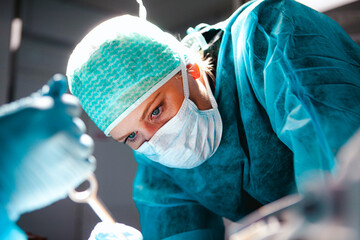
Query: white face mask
190, 137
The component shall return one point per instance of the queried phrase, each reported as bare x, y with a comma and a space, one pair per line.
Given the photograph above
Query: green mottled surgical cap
118, 65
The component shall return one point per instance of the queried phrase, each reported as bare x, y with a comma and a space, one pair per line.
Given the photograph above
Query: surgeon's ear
194, 70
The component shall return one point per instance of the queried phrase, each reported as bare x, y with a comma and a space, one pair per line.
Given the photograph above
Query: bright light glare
325, 5
15, 35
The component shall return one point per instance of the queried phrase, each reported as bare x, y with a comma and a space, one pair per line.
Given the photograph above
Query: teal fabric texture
127, 59
288, 91
8, 228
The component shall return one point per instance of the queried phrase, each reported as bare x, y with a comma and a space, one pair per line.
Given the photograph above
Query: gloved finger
92, 160
86, 144
73, 107
80, 126
82, 147
42, 103
56, 86
74, 126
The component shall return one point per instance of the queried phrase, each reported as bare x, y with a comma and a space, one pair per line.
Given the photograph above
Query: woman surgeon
275, 98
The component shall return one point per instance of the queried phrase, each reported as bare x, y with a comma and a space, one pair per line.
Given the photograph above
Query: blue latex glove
44, 151
114, 231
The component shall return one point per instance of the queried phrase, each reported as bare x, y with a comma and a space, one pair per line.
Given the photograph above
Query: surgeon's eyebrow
149, 105
120, 139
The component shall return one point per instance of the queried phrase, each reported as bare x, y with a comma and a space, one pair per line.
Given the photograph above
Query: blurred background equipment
326, 211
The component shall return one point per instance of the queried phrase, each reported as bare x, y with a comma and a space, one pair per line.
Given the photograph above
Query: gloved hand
43, 152
114, 231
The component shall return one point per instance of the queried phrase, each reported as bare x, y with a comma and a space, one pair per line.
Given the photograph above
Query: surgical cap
119, 64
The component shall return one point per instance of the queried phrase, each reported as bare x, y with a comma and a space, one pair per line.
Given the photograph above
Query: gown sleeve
8, 228
167, 212
304, 70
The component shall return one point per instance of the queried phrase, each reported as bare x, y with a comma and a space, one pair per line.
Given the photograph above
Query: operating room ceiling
174, 15
171, 15
51, 28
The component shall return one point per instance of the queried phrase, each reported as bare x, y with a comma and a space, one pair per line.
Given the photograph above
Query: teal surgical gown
8, 229
288, 91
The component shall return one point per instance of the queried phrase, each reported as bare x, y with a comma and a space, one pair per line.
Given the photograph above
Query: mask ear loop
186, 83
184, 77
211, 95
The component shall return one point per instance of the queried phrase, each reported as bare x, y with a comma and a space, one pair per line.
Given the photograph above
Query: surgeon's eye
131, 137
156, 112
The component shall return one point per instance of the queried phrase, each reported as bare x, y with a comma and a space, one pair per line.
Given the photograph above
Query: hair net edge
141, 100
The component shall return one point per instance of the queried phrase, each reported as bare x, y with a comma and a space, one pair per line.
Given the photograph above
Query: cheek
139, 141
148, 129
175, 102
170, 110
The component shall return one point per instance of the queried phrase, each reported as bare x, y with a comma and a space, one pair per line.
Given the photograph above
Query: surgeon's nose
149, 130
